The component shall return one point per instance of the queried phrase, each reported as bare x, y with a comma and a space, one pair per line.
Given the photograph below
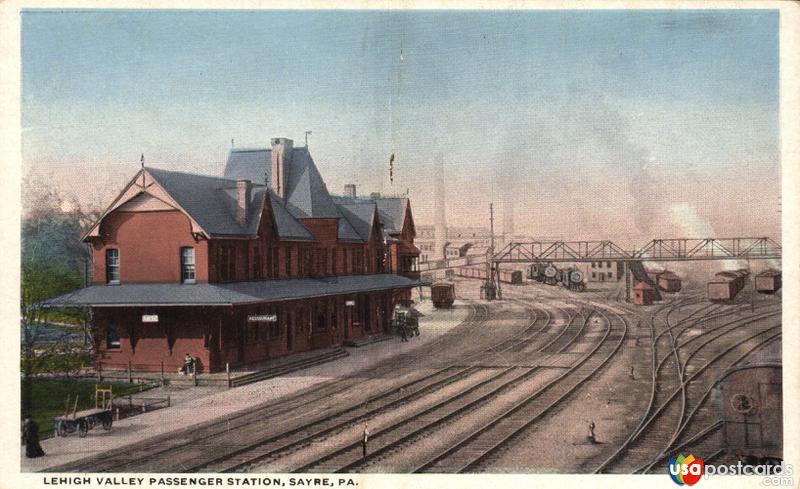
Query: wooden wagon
84, 420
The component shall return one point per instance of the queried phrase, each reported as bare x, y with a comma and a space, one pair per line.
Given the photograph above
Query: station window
609, 275
187, 265
593, 264
608, 264
594, 274
112, 266
257, 262
112, 336
288, 256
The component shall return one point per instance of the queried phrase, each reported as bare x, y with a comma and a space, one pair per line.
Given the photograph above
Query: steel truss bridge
680, 249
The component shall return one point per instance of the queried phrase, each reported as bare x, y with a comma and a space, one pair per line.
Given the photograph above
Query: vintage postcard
374, 245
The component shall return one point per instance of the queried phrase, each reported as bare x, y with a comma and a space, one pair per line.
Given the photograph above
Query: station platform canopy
227, 294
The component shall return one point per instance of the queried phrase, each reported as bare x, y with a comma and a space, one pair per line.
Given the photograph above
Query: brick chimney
281, 158
242, 201
350, 189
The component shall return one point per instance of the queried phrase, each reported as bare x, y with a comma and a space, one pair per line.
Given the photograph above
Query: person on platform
188, 365
30, 437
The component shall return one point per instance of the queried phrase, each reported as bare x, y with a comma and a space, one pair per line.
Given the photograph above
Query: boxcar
726, 285
506, 276
768, 281
751, 408
510, 276
443, 294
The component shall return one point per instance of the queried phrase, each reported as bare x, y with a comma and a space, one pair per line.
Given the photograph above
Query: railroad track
419, 424
264, 450
167, 447
665, 419
477, 448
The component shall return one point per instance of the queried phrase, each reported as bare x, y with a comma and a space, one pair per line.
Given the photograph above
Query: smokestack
242, 201
281, 158
440, 219
350, 190
508, 218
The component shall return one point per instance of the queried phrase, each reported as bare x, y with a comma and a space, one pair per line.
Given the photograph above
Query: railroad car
505, 276
443, 294
726, 285
510, 276
751, 408
768, 281
572, 278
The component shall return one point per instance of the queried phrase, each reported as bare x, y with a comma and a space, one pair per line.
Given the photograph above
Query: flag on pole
391, 168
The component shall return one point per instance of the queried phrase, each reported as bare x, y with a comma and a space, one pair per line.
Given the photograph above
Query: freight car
443, 294
572, 278
505, 276
751, 408
726, 285
768, 281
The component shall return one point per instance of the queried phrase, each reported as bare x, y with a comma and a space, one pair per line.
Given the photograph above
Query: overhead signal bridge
682, 249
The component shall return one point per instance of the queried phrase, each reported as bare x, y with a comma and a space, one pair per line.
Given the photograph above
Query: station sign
349, 303
263, 318
149, 318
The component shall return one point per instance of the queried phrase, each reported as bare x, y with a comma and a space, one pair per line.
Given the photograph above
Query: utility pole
489, 286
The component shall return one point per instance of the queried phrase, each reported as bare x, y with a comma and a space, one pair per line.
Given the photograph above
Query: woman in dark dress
30, 437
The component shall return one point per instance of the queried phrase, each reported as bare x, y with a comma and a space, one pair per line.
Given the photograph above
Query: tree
41, 281
53, 263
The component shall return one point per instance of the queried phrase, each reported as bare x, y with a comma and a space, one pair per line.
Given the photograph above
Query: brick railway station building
259, 263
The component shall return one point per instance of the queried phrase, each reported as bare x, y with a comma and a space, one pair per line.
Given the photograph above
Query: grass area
67, 315
60, 362
49, 397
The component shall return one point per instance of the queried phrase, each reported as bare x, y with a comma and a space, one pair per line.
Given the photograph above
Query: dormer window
187, 265
112, 266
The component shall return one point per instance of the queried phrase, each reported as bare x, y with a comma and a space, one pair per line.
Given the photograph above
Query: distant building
454, 241
605, 271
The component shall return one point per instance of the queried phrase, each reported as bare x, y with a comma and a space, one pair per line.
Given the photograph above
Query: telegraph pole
489, 286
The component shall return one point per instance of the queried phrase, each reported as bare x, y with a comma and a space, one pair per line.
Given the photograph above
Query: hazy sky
600, 124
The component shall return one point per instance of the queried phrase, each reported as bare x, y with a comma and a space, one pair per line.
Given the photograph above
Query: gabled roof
361, 216
306, 195
288, 227
211, 201
249, 164
392, 211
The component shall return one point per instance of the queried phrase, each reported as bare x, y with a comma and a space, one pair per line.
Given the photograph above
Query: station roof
222, 294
